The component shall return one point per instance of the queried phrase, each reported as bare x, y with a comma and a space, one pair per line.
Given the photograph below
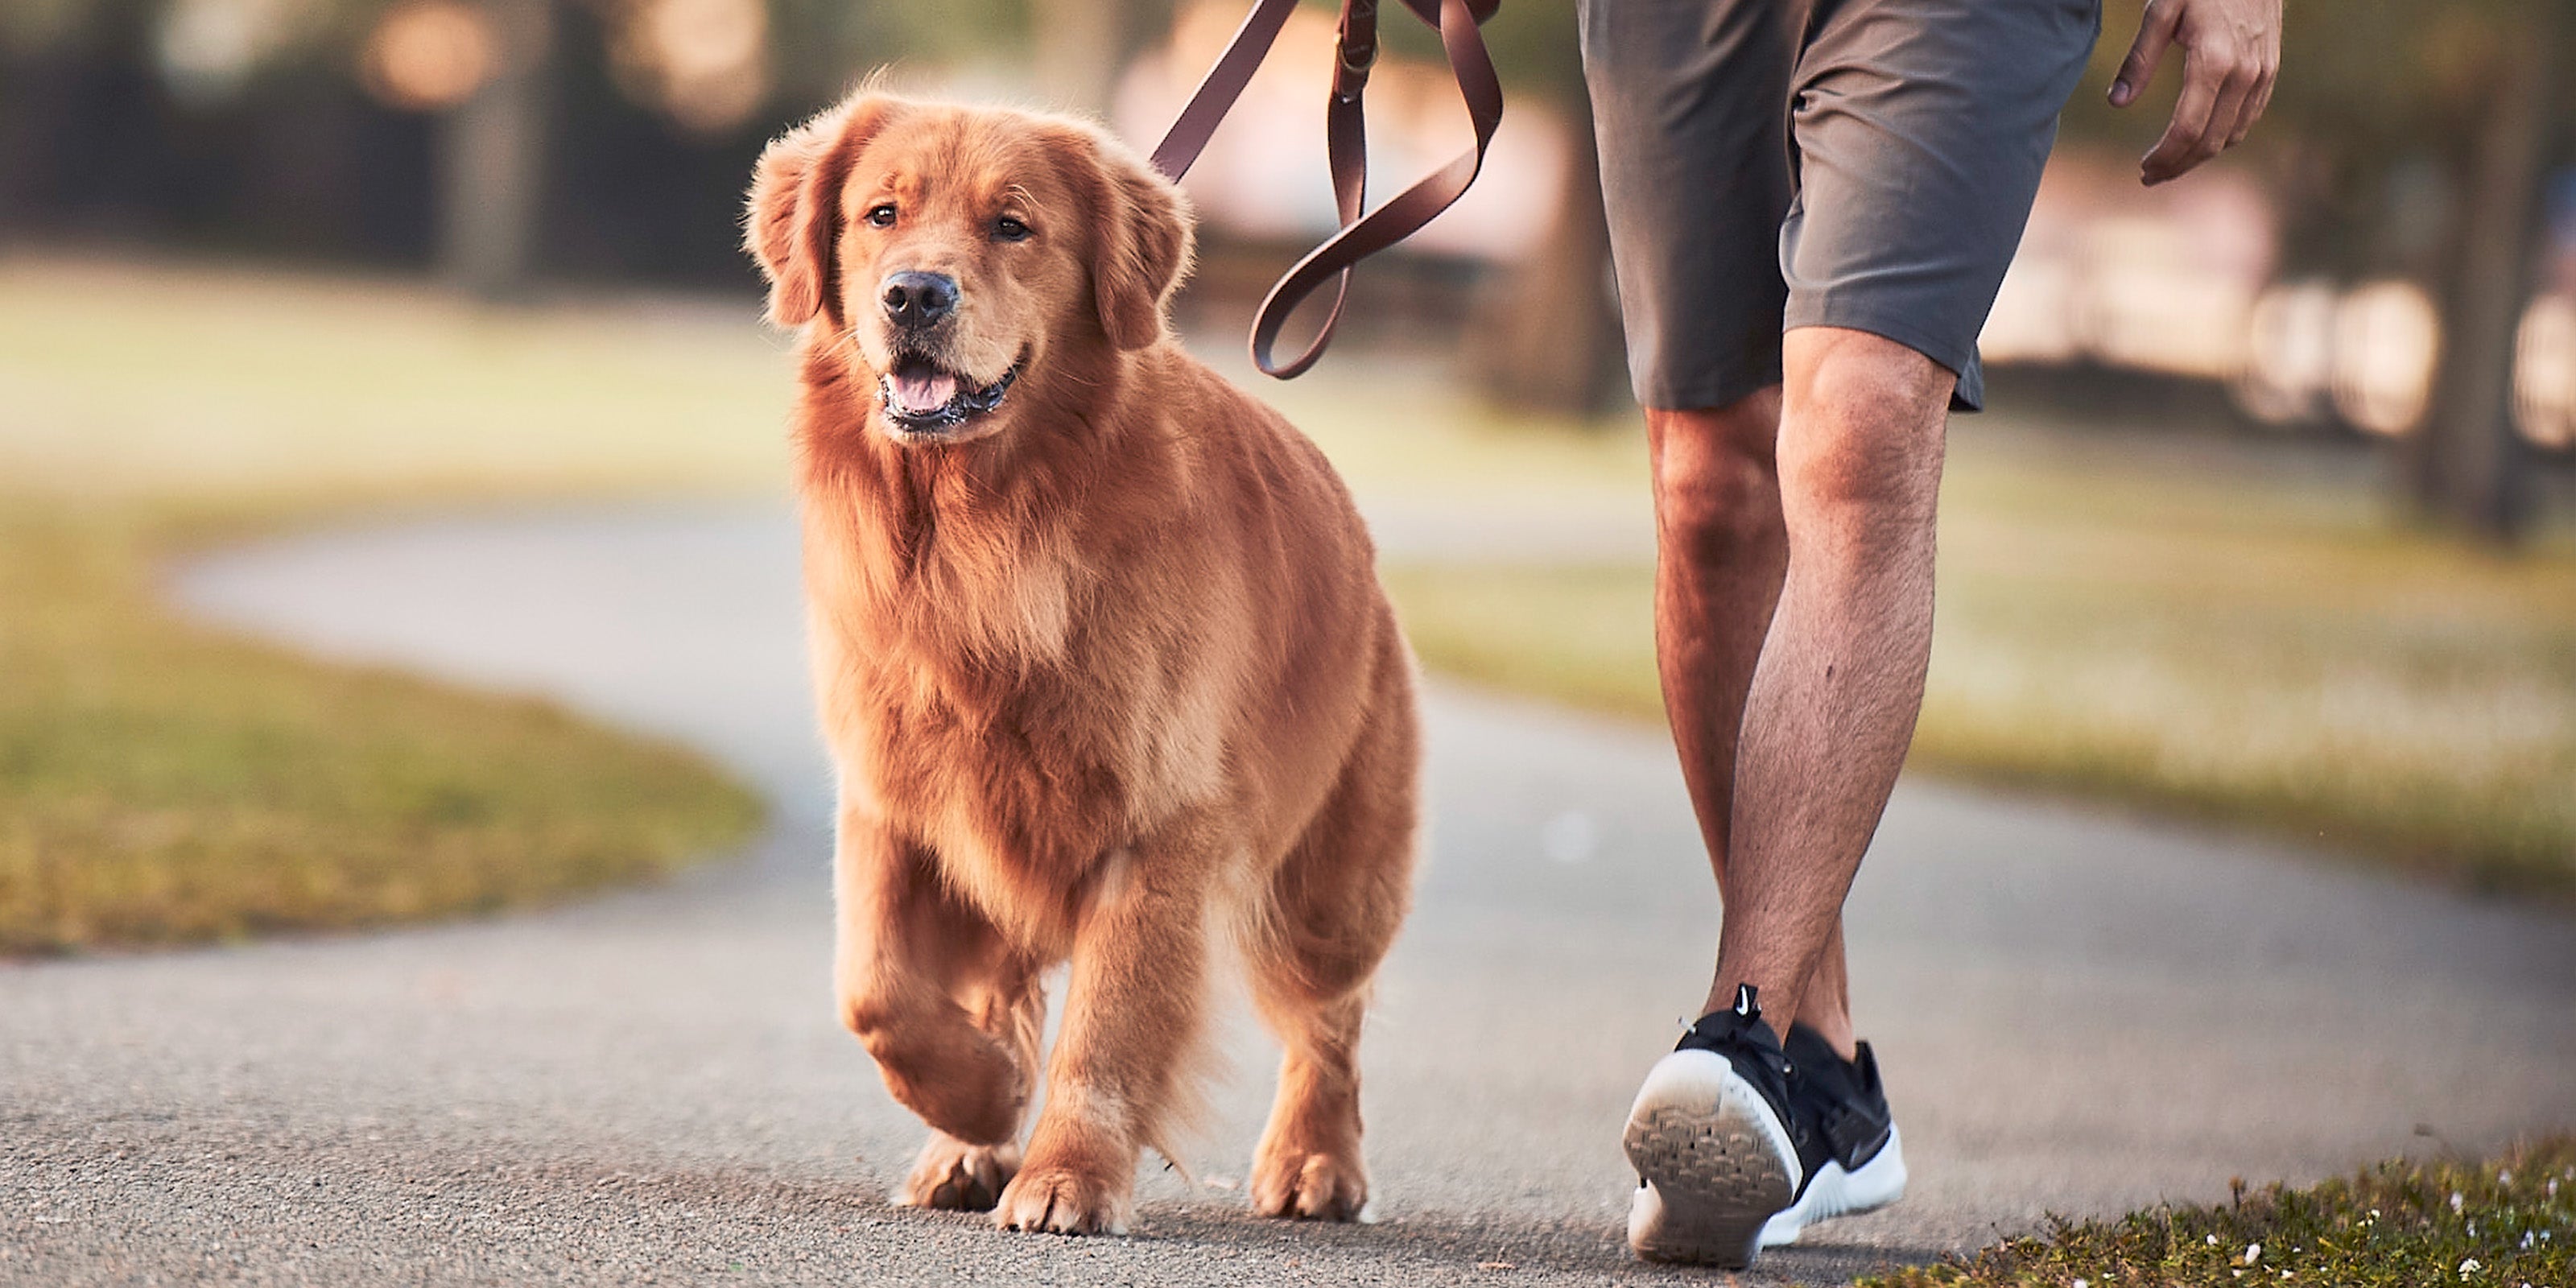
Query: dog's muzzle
923, 398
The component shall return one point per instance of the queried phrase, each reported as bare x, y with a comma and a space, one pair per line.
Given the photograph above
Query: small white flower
2374, 1214
2456, 1200
2087, 1283
2469, 1267
2553, 1187
2505, 1177
2213, 1241
2253, 1253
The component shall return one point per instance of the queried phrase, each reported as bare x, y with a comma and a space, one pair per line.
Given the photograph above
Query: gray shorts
1891, 147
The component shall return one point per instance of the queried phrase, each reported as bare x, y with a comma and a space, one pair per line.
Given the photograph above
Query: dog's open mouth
923, 397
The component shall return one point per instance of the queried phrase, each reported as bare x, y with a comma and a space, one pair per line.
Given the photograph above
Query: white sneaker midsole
1836, 1192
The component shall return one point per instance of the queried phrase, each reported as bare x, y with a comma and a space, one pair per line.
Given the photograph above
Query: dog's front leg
903, 942
1131, 1024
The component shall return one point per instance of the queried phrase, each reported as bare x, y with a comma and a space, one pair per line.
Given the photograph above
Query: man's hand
2231, 50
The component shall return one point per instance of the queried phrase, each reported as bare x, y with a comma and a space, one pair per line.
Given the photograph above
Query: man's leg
1919, 129
1834, 697
1796, 733
1868, 417
1722, 548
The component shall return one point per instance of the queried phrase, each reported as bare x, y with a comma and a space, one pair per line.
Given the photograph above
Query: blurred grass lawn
2117, 618
162, 784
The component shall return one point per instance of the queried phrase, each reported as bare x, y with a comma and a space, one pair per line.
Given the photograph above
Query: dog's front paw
959, 1177
1309, 1185
1065, 1200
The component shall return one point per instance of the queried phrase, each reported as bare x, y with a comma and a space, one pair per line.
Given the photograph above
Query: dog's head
952, 252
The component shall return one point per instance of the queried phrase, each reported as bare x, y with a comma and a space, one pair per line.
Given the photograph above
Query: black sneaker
1711, 1136
1847, 1143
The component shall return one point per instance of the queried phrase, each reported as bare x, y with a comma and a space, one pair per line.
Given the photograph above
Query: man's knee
1862, 432
1717, 480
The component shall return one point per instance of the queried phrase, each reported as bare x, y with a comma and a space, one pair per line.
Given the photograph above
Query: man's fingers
2255, 103
2155, 34
2226, 117
2174, 153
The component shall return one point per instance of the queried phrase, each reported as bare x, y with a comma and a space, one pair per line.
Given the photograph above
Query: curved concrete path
2077, 1012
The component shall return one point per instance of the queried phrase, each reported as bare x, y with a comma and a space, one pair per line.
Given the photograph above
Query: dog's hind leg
1334, 908
907, 951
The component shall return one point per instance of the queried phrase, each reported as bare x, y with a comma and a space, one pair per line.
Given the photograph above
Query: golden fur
1105, 671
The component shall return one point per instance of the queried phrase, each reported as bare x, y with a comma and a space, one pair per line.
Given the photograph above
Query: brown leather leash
1346, 144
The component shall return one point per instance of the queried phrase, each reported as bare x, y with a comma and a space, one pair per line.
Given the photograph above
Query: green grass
2268, 650
161, 783
2507, 1222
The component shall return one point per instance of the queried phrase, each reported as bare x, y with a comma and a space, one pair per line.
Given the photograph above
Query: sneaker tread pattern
1718, 1176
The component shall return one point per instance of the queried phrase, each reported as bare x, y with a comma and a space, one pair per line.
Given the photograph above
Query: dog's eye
1010, 230
882, 216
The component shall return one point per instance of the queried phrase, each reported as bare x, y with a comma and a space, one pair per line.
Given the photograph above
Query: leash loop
1363, 232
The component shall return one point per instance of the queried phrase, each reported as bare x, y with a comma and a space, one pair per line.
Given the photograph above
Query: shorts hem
1735, 382
1969, 391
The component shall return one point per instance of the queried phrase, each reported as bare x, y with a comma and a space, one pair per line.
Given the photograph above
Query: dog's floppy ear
794, 223
1140, 246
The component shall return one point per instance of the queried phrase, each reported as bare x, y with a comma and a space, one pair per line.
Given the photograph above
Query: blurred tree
492, 159
1079, 50
2467, 466
824, 47
76, 99
1550, 337
1079, 47
1546, 336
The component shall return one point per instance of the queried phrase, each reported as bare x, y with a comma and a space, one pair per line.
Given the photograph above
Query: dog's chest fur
998, 698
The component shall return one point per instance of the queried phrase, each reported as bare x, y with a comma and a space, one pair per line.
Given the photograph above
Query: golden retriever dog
1102, 660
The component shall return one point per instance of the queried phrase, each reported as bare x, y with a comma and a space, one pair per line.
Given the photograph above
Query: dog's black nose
920, 299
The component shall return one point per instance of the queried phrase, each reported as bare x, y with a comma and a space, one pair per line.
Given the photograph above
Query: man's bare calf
1801, 516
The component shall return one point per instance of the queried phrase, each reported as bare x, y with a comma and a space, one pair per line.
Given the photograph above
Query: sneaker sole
1835, 1192
1716, 1160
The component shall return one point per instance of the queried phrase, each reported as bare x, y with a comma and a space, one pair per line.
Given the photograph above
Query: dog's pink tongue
922, 391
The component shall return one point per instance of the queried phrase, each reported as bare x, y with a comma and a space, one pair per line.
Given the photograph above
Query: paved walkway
2077, 1012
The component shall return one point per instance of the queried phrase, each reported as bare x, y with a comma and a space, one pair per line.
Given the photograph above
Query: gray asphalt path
2077, 1012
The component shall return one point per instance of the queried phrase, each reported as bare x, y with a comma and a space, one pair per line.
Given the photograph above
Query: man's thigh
1920, 129
1690, 104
